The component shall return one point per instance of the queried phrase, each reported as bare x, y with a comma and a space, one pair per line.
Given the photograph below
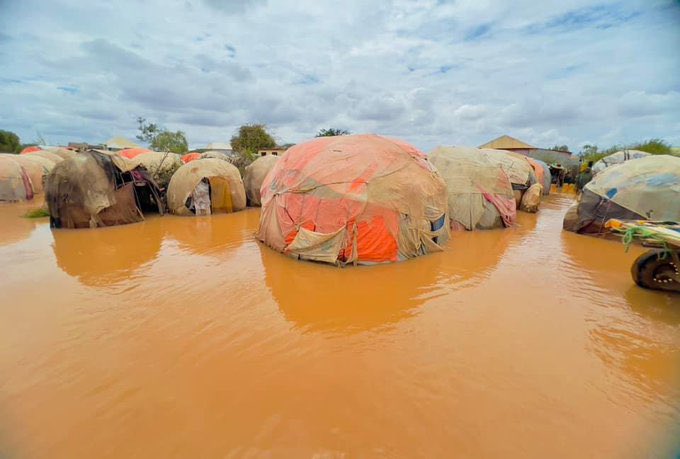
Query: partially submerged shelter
254, 177
480, 194
617, 158
354, 199
161, 166
206, 187
36, 167
15, 184
97, 188
647, 188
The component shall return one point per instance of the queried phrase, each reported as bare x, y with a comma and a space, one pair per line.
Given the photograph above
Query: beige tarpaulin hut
97, 188
206, 186
15, 185
36, 167
254, 176
480, 193
161, 166
645, 188
617, 158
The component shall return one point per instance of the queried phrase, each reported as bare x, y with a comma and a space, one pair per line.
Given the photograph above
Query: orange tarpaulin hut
131, 153
191, 157
354, 199
28, 150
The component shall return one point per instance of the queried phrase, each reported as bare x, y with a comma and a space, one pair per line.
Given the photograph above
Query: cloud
431, 72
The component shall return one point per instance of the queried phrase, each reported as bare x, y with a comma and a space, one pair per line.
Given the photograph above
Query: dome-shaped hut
480, 193
205, 187
15, 184
617, 158
354, 199
97, 188
255, 175
647, 188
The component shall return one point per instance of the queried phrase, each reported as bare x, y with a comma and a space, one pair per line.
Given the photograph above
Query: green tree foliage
331, 132
147, 131
9, 142
251, 138
653, 146
560, 148
174, 142
161, 139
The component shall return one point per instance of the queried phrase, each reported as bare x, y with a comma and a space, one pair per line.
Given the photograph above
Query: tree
147, 131
331, 132
9, 142
174, 142
161, 139
560, 148
251, 138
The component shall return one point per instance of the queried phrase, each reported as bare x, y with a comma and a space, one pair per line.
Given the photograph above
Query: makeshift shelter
205, 187
31, 149
193, 156
63, 153
36, 167
516, 166
50, 156
254, 176
547, 177
647, 188
15, 184
224, 156
354, 199
161, 166
97, 188
480, 194
131, 153
617, 158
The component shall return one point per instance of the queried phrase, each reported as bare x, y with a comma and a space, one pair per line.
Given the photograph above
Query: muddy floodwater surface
185, 337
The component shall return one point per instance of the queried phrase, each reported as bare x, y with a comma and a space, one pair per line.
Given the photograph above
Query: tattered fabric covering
63, 153
36, 167
547, 178
648, 186
471, 180
617, 158
227, 192
216, 154
131, 153
531, 199
82, 191
160, 165
590, 213
254, 176
15, 185
48, 155
515, 165
354, 199
31, 149
193, 156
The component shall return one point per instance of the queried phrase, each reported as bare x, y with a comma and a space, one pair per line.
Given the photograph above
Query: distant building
82, 146
278, 151
505, 142
219, 146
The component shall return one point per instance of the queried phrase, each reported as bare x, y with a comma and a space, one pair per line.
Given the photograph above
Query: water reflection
214, 235
319, 297
15, 227
623, 316
105, 256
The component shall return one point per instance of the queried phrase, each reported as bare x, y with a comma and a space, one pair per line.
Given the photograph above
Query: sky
431, 72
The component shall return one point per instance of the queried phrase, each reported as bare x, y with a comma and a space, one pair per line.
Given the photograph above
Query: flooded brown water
184, 337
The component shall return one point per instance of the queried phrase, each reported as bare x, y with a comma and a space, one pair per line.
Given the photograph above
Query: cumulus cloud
429, 71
